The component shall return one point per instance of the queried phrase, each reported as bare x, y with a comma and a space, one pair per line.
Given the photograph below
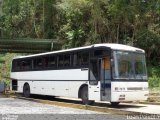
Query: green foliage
84, 22
5, 67
154, 76
150, 42
28, 18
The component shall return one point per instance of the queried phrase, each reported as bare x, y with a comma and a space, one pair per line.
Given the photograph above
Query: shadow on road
52, 98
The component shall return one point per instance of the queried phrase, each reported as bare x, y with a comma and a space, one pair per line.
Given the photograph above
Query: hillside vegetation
83, 22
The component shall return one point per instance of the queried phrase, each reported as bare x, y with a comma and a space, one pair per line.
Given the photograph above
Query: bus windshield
129, 65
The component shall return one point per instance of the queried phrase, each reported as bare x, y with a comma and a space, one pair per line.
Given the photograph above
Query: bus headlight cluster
119, 89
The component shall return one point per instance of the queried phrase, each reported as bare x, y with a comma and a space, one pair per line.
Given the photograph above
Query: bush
154, 76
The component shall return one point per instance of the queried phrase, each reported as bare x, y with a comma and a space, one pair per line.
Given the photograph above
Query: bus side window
15, 66
76, 59
52, 62
38, 63
85, 58
67, 60
26, 65
60, 61
45, 61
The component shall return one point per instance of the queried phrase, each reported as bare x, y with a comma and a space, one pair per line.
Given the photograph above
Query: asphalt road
18, 109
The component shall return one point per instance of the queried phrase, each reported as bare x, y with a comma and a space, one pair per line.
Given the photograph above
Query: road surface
18, 109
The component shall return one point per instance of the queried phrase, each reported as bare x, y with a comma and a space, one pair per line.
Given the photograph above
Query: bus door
100, 79
105, 79
94, 79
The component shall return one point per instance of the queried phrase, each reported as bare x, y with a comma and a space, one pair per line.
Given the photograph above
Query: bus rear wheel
26, 90
84, 96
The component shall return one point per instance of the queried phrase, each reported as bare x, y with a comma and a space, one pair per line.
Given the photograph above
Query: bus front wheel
26, 90
84, 96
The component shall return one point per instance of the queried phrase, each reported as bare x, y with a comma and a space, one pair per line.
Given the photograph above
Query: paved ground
143, 108
18, 109
14, 106
134, 107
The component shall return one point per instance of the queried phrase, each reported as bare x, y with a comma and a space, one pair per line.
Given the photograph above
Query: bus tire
26, 90
84, 96
114, 104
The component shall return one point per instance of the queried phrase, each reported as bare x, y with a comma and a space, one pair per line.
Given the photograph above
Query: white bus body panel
131, 91
68, 74
52, 82
95, 92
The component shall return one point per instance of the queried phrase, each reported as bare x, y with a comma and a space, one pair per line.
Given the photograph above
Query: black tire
26, 91
84, 96
114, 104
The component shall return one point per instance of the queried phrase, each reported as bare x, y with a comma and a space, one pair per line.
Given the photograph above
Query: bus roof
108, 45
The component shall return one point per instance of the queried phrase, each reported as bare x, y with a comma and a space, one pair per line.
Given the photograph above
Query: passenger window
46, 62
38, 63
67, 60
76, 59
26, 65
60, 61
85, 58
16, 66
52, 62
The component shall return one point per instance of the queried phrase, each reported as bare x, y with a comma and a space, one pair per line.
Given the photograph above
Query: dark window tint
85, 58
60, 60
99, 52
52, 62
38, 63
45, 61
76, 59
21, 65
26, 64
15, 66
67, 60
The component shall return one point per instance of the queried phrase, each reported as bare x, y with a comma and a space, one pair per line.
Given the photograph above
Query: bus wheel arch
83, 94
26, 90
80, 89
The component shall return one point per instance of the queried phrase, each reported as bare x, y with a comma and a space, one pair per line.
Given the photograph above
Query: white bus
100, 72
